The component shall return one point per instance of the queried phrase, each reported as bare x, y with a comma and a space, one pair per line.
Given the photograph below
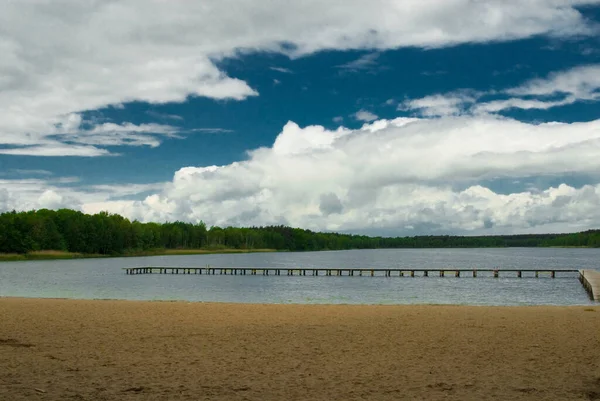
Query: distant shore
53, 255
53, 349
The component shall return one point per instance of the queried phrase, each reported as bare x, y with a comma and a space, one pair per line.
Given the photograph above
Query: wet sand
123, 350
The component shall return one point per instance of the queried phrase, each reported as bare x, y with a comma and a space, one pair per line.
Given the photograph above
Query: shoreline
232, 304
56, 349
64, 255
184, 301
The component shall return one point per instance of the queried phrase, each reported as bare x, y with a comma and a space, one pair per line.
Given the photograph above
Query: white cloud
164, 116
281, 69
69, 137
450, 104
29, 172
577, 84
209, 130
56, 149
580, 83
63, 58
56, 193
365, 115
516, 103
338, 119
365, 62
402, 176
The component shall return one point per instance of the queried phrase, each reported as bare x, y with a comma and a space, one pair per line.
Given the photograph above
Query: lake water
105, 279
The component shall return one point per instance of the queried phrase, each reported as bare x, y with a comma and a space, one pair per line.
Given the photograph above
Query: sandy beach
123, 350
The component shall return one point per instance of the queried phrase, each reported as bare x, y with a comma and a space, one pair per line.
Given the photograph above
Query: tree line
112, 234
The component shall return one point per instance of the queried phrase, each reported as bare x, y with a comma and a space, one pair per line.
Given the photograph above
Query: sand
123, 350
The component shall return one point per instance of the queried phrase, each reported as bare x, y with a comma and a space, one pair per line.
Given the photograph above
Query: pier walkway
590, 279
397, 272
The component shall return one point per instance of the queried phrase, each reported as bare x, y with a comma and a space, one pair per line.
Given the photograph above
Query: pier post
537, 274
519, 274
457, 273
412, 273
441, 273
474, 272
372, 273
496, 273
553, 274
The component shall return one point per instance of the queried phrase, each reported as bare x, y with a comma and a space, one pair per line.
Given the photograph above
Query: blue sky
474, 118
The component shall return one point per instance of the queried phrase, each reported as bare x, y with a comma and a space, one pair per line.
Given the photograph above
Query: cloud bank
401, 177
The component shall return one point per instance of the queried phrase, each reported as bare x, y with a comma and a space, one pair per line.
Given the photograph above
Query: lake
105, 279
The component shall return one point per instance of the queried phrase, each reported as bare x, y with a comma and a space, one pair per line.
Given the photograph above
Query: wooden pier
590, 279
376, 272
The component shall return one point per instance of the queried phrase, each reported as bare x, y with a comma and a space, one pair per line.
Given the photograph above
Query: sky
379, 117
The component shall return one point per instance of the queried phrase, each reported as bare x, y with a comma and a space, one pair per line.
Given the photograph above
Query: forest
111, 234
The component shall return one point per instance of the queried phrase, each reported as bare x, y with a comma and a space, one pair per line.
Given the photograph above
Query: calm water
105, 279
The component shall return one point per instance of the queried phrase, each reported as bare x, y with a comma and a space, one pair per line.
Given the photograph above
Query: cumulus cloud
56, 193
63, 58
402, 176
